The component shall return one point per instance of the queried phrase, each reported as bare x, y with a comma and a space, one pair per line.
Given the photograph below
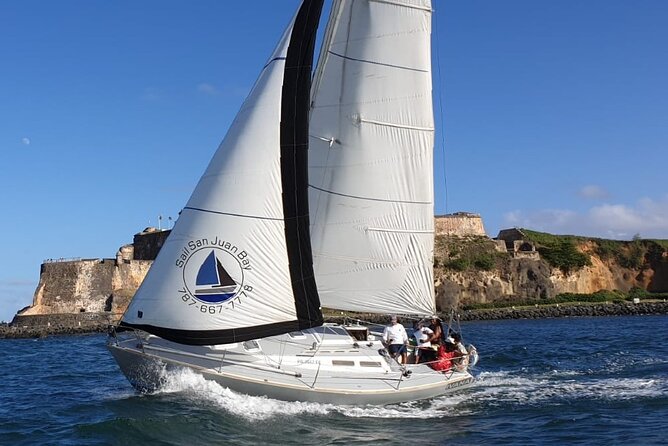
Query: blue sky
555, 116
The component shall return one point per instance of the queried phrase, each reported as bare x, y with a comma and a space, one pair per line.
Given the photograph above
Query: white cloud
208, 89
593, 192
25, 141
648, 217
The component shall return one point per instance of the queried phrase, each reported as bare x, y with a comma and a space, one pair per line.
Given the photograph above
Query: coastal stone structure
460, 224
517, 245
147, 243
88, 287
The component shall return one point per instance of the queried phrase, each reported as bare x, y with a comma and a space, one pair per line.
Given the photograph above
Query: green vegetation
661, 243
471, 253
565, 256
627, 254
598, 297
559, 251
634, 254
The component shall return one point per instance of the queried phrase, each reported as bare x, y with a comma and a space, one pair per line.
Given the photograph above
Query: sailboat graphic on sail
214, 284
323, 191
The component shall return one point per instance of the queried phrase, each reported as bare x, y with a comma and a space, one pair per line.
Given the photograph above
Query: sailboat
320, 196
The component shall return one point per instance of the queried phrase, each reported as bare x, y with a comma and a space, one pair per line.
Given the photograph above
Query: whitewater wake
491, 389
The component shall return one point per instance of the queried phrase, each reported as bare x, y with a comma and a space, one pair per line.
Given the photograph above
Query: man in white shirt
422, 336
395, 339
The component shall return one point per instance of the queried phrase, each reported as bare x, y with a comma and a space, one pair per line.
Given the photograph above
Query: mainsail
237, 264
371, 160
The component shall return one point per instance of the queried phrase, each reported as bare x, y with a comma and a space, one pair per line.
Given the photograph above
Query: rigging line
398, 126
403, 5
407, 231
272, 61
368, 198
440, 108
231, 214
378, 63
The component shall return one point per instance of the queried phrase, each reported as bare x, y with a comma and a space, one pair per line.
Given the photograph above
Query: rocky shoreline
567, 310
43, 325
48, 325
13, 332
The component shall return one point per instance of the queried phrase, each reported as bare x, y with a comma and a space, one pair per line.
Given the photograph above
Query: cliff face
86, 286
514, 276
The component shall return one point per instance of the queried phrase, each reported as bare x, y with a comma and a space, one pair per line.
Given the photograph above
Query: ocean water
553, 381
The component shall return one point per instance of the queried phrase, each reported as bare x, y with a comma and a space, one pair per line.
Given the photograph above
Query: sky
550, 115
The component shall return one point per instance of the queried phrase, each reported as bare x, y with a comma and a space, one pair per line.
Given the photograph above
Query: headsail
237, 264
371, 160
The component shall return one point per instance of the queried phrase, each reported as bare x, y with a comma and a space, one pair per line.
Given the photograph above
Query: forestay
237, 264
370, 168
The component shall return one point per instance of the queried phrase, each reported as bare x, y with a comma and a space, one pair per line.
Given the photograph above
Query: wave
503, 387
491, 389
194, 386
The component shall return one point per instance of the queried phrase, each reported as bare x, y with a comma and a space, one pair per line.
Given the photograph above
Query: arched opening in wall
526, 246
82, 310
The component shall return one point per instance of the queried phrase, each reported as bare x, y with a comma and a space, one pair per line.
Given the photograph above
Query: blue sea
553, 381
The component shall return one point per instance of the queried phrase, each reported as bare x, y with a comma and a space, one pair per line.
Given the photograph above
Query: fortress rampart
460, 224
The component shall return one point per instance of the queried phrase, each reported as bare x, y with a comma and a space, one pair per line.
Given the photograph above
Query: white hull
322, 365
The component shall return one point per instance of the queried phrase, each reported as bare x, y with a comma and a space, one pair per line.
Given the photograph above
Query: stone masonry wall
86, 286
459, 224
148, 242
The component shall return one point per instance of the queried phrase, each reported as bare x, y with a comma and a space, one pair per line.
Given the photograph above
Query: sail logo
214, 284
214, 273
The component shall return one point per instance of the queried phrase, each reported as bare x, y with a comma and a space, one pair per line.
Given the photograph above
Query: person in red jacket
446, 352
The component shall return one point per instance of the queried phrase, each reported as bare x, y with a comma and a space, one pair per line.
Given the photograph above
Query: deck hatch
370, 364
343, 363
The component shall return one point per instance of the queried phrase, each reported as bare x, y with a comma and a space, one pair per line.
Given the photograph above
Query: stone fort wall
460, 224
87, 286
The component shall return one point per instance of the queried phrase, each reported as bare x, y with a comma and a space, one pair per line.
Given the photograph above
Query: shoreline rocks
71, 324
43, 325
567, 310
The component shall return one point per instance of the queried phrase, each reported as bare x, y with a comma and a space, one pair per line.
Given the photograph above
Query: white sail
223, 274
370, 163
240, 254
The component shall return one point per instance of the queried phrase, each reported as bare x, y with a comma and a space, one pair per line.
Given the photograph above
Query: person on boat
423, 352
462, 361
437, 337
446, 353
395, 339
